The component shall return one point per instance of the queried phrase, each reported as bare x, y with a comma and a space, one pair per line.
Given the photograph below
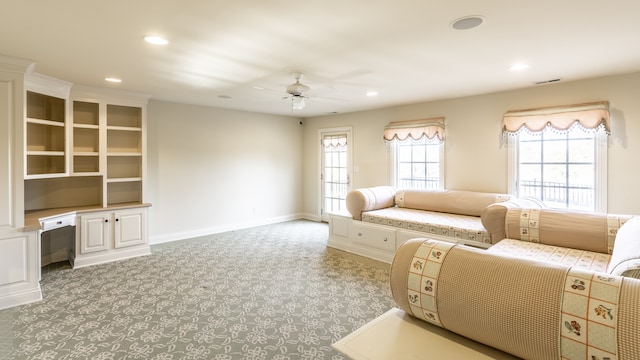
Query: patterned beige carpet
270, 292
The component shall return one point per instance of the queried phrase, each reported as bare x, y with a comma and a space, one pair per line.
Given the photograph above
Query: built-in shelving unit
86, 138
109, 140
81, 155
124, 154
46, 136
84, 147
86, 155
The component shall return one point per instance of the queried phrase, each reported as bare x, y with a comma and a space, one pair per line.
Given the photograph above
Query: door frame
348, 130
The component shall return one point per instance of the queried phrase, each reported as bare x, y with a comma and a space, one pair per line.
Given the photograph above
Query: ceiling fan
297, 92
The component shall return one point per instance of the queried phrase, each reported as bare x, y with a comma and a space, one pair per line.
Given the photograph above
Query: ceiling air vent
546, 81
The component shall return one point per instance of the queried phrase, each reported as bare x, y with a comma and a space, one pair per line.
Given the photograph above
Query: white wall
212, 170
474, 157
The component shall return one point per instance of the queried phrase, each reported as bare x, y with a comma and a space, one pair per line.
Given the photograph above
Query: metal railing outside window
559, 194
558, 168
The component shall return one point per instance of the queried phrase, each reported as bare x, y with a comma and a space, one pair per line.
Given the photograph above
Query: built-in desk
102, 234
33, 219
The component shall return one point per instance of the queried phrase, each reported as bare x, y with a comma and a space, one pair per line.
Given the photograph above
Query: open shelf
124, 192
124, 167
45, 146
85, 139
86, 113
60, 192
45, 163
119, 141
42, 137
124, 116
86, 163
45, 107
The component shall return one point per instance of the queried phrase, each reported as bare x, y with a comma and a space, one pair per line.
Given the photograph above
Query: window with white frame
416, 153
558, 155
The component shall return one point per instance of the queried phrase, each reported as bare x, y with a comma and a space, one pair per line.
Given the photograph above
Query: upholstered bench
445, 214
531, 309
605, 243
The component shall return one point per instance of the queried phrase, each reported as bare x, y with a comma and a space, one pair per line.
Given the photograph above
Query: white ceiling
404, 49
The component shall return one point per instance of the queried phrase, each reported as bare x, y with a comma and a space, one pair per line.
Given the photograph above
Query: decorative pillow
367, 199
450, 201
566, 228
530, 309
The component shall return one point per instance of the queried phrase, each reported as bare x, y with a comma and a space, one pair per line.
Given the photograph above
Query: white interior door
335, 172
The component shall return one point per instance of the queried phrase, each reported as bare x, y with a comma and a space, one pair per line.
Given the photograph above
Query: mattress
459, 227
582, 259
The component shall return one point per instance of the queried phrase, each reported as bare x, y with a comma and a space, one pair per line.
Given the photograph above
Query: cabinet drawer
374, 236
58, 222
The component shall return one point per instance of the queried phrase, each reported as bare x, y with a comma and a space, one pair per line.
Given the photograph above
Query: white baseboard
90, 259
310, 217
165, 238
20, 298
58, 256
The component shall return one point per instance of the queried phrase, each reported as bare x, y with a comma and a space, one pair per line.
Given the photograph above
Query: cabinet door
129, 228
94, 233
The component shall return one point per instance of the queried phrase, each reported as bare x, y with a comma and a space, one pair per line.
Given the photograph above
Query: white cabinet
105, 236
129, 228
377, 241
19, 248
20, 272
94, 232
374, 236
339, 228
370, 240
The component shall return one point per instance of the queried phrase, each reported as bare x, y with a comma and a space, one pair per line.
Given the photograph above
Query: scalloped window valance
329, 141
592, 116
432, 129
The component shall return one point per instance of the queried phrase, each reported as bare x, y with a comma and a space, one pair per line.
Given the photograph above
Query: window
563, 163
417, 164
416, 153
561, 169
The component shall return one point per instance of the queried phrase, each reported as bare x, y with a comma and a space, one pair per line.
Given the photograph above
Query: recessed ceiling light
518, 67
258, 87
113, 80
372, 93
467, 22
156, 40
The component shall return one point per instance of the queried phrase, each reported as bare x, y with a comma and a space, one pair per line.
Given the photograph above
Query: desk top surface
33, 218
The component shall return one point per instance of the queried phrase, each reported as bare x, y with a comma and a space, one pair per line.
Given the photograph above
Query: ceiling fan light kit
299, 93
297, 102
296, 92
